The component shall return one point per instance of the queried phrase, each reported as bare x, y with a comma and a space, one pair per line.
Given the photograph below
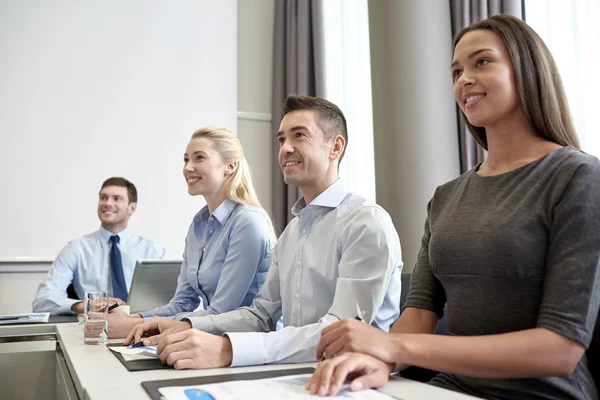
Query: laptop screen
153, 285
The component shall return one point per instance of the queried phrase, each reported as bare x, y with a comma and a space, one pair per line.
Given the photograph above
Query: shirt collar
224, 210
106, 234
330, 197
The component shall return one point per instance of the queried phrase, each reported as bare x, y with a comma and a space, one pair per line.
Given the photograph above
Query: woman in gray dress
512, 247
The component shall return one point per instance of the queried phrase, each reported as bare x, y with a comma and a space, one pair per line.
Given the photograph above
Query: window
348, 84
571, 31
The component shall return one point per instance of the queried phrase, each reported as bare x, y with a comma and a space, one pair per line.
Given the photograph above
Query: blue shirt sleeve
51, 295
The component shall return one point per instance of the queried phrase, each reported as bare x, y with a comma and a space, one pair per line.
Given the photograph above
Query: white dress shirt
340, 253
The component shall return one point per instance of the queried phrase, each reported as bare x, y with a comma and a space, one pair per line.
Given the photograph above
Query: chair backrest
593, 355
71, 292
405, 279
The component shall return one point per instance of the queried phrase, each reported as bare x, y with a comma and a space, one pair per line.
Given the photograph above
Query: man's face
114, 208
304, 153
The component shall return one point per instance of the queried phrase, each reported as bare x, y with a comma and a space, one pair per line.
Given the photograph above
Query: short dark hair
330, 118
122, 182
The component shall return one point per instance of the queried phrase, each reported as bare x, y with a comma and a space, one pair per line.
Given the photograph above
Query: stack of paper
289, 387
24, 318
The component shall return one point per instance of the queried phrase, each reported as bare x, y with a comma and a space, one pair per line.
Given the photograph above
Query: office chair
593, 355
71, 294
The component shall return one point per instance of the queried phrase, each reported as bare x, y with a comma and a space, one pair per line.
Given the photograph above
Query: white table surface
99, 375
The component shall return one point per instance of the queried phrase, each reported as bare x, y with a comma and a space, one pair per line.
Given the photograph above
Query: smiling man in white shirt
102, 260
339, 256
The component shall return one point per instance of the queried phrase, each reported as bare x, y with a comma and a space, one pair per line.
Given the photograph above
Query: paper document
286, 387
30, 318
136, 353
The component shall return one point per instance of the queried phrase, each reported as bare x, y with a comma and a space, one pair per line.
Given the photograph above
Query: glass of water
95, 327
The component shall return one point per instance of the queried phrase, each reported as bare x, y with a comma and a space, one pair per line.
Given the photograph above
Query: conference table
51, 361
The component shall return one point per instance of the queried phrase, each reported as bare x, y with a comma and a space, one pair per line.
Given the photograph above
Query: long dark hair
539, 86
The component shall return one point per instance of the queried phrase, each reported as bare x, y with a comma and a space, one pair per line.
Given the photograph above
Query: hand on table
156, 328
360, 370
78, 308
194, 349
116, 300
120, 324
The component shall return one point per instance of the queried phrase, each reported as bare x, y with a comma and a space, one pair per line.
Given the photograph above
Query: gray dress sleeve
570, 299
426, 291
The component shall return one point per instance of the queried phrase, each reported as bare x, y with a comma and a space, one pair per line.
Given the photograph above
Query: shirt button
296, 295
212, 230
204, 250
298, 262
211, 218
303, 230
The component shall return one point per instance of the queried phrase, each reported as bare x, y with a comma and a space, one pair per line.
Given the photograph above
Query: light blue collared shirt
225, 261
339, 253
85, 262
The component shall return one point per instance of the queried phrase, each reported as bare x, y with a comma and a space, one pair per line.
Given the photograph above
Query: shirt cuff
200, 323
247, 350
65, 307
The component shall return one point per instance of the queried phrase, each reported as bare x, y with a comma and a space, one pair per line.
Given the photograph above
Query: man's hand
78, 308
120, 324
156, 328
116, 300
350, 335
363, 372
194, 349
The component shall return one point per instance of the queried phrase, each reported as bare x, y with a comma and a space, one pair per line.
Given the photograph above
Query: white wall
414, 152
18, 285
255, 67
416, 145
95, 89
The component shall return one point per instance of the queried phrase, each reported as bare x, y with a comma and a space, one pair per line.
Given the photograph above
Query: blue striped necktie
116, 270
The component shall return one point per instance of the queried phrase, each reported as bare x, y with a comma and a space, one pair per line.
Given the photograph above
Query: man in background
101, 260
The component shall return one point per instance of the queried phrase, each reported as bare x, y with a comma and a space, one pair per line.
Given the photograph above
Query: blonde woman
230, 240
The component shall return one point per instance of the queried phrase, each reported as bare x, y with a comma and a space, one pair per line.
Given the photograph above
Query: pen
14, 318
134, 345
359, 314
113, 307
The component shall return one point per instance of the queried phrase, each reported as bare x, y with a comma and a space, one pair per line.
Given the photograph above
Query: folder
151, 387
138, 365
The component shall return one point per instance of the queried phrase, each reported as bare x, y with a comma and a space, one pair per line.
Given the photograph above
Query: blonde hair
239, 186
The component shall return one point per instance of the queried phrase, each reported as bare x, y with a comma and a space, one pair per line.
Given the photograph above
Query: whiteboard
95, 89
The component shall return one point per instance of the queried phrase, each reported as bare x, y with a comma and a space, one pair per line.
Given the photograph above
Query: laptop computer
153, 285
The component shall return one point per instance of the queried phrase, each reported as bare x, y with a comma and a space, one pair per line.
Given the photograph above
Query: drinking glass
95, 327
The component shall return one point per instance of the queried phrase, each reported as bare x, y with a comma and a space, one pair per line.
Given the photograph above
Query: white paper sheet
30, 318
136, 353
286, 387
